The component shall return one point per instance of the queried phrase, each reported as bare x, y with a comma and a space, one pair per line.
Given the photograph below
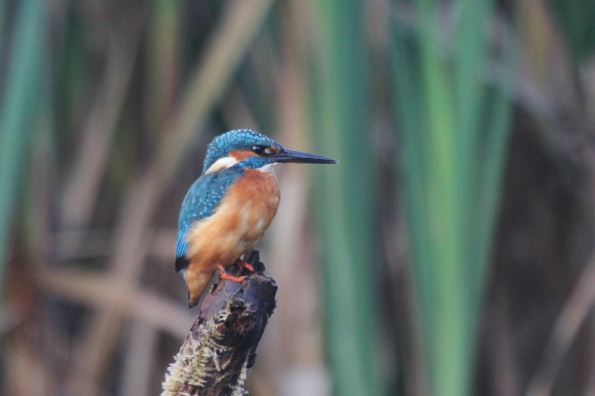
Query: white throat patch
221, 163
268, 168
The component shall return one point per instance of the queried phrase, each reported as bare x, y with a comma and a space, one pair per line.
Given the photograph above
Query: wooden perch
222, 342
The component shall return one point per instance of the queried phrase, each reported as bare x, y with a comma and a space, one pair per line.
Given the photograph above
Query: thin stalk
345, 199
17, 115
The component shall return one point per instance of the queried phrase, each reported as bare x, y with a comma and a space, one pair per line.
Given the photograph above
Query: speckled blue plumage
201, 201
234, 140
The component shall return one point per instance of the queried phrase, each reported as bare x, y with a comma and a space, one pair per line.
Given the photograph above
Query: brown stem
221, 345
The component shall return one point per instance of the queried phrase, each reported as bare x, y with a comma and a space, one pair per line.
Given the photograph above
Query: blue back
202, 199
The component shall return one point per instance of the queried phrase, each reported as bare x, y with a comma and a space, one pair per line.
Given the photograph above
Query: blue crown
239, 139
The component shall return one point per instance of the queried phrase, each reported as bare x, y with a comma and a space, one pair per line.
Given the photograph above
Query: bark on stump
222, 342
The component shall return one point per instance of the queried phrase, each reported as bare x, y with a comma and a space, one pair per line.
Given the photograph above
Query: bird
230, 206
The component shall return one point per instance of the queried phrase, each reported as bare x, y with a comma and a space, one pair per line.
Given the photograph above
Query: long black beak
304, 158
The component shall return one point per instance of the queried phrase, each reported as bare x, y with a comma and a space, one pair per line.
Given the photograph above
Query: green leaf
346, 199
22, 98
454, 129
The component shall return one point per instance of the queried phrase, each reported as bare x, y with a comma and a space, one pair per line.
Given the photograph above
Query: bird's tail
196, 280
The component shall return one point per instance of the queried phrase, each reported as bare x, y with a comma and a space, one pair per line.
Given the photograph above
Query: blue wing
200, 202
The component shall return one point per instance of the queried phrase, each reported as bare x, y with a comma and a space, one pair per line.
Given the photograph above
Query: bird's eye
262, 150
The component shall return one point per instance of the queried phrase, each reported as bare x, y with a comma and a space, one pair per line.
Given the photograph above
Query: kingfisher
230, 206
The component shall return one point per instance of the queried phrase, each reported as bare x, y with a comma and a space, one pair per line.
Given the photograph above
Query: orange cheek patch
241, 155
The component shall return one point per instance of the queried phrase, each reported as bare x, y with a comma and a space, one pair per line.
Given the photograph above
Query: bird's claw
227, 276
244, 265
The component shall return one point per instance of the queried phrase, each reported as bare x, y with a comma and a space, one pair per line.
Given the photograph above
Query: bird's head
252, 150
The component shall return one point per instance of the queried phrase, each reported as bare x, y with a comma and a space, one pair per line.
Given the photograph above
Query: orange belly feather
241, 219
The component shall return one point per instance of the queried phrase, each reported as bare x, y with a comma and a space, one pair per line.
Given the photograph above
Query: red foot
244, 265
225, 275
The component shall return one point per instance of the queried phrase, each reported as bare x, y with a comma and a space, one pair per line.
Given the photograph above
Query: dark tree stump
221, 345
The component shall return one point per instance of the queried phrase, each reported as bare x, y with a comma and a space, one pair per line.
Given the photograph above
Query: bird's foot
253, 258
226, 275
244, 265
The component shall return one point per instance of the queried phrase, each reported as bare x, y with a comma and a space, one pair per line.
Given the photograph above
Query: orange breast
244, 215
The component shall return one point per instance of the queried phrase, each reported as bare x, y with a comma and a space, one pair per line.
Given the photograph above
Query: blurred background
449, 253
